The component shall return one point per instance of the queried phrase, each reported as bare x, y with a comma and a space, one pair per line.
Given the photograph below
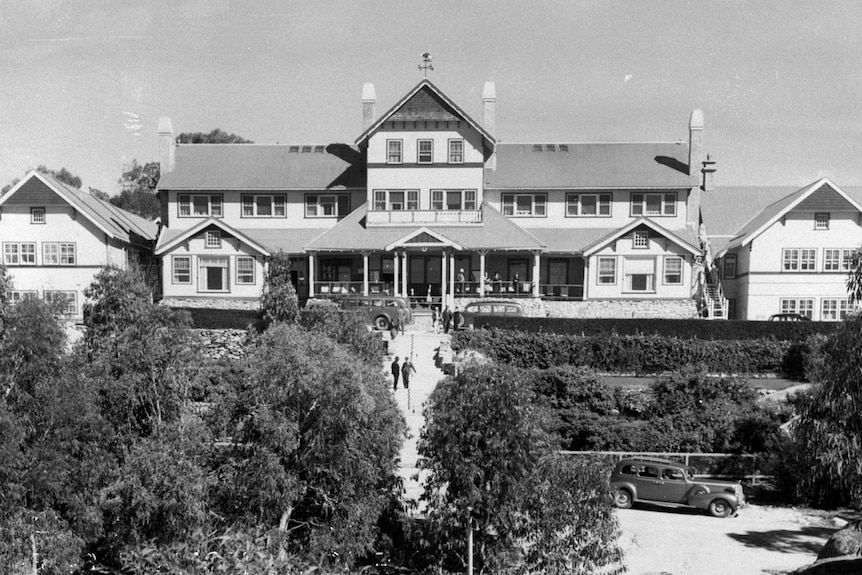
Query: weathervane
426, 63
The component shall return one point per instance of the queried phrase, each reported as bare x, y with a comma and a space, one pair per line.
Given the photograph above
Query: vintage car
672, 484
486, 308
378, 310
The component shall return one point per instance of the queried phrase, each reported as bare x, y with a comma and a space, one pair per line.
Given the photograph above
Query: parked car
380, 311
489, 308
672, 484
789, 317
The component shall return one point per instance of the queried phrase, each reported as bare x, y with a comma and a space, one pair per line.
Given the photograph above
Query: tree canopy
138, 190
216, 136
278, 301
62, 175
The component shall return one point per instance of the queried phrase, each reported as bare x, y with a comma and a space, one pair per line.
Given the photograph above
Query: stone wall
226, 303
227, 343
619, 309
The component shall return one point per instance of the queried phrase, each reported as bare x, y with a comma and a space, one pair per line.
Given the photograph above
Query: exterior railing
423, 217
562, 291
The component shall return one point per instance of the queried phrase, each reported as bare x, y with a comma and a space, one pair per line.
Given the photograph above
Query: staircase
716, 304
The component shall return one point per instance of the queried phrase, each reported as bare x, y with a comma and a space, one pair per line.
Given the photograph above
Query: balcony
423, 217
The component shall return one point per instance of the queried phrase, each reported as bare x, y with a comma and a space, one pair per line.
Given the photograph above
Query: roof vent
306, 149
537, 147
293, 150
550, 148
319, 149
563, 147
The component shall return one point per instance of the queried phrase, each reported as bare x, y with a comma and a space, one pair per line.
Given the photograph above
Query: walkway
421, 343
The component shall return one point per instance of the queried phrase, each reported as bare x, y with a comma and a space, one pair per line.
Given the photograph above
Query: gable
425, 105
34, 192
423, 238
825, 199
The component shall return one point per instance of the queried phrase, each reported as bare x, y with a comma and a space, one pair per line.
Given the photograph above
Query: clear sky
83, 82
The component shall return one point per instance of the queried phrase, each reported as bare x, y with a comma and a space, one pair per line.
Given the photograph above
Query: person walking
396, 371
457, 319
447, 319
435, 317
402, 319
406, 368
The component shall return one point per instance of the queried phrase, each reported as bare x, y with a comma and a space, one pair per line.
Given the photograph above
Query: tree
854, 278
214, 137
278, 301
138, 193
348, 329
62, 175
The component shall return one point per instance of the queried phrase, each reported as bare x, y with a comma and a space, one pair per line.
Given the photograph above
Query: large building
428, 203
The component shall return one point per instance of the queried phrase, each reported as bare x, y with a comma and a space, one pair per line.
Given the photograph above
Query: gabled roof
425, 102
113, 221
168, 241
264, 167
658, 165
734, 217
423, 237
618, 233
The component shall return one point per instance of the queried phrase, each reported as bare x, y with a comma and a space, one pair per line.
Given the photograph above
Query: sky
84, 82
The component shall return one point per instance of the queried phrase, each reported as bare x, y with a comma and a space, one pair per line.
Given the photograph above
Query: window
456, 151
453, 199
69, 300
835, 259
23, 254
396, 200
640, 239
801, 306
425, 152
199, 205
379, 200
673, 270
834, 309
588, 205
213, 239
327, 206
27, 295
653, 205
58, 254
524, 205
244, 270
37, 215
181, 270
802, 260
640, 274
730, 266
607, 271
212, 274
263, 206
821, 221
731, 308
393, 151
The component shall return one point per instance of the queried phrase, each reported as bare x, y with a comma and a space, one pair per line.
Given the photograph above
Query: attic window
319, 149
550, 148
537, 147
293, 150
563, 147
306, 149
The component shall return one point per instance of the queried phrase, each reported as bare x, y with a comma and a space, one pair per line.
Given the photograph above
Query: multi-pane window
327, 205
524, 205
640, 274
16, 296
23, 254
456, 151
212, 273
37, 215
181, 272
425, 151
821, 221
834, 309
396, 200
653, 205
453, 199
802, 306
199, 205
244, 270
795, 259
730, 266
58, 254
213, 239
673, 270
835, 259
588, 205
263, 206
640, 239
68, 299
607, 271
393, 151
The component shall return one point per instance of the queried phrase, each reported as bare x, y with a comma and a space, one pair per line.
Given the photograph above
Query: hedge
640, 354
683, 328
210, 318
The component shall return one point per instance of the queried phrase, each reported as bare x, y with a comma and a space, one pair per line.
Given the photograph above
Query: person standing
406, 368
447, 319
516, 280
459, 287
435, 317
396, 371
457, 319
402, 319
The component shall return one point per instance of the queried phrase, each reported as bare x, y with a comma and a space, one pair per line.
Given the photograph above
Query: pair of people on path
403, 370
451, 319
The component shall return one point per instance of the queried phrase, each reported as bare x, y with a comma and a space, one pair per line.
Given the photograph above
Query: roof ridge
591, 143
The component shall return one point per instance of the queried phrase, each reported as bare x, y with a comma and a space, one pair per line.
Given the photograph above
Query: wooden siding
35, 193
825, 199
424, 105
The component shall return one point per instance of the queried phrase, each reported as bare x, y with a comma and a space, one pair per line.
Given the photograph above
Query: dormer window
456, 151
393, 151
821, 221
37, 215
425, 151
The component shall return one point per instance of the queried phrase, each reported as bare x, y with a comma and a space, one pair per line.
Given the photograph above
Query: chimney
369, 98
708, 172
166, 146
695, 142
489, 119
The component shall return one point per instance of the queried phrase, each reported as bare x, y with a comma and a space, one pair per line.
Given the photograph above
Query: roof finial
426, 63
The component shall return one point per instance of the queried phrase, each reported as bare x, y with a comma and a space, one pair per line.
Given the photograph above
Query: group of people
404, 370
447, 320
494, 284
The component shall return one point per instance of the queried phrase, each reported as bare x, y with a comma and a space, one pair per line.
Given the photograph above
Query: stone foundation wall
619, 309
227, 343
213, 303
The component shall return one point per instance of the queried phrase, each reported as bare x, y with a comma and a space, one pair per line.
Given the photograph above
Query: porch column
364, 273
482, 273
311, 275
443, 277
452, 276
396, 263
586, 277
536, 268
404, 275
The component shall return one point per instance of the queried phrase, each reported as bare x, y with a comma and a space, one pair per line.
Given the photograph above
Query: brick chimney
166, 146
489, 117
369, 99
695, 142
708, 172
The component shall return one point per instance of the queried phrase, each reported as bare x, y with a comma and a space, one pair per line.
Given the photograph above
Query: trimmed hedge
683, 328
641, 354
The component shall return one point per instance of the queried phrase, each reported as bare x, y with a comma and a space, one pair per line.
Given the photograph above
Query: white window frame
317, 205
538, 205
456, 151
668, 272
203, 262
836, 259
251, 206
394, 151
70, 297
629, 278
640, 240
729, 266
186, 206
640, 203
424, 156
212, 239
821, 221
834, 309
798, 260
440, 199
802, 306
244, 275
575, 203
59, 254
383, 200
14, 253
178, 272
37, 216
16, 296
606, 277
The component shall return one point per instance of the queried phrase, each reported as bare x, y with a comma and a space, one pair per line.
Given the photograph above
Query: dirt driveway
760, 540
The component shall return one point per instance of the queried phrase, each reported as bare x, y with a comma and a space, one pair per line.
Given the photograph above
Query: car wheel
719, 508
623, 498
381, 322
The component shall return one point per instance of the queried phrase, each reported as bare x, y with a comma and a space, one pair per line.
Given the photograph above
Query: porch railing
501, 289
424, 217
